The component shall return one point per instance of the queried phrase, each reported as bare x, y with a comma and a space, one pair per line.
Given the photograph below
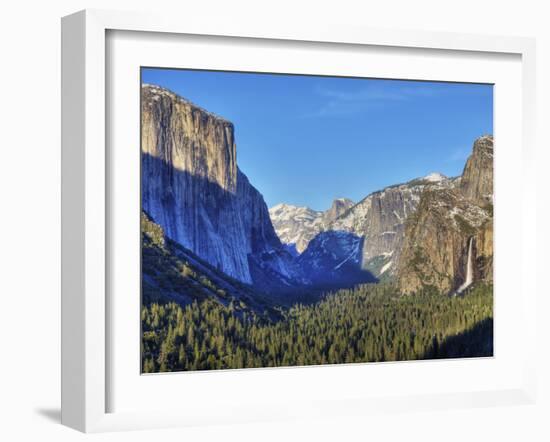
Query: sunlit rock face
477, 178
192, 187
447, 221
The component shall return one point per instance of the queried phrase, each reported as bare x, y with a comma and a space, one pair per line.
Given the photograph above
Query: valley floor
366, 324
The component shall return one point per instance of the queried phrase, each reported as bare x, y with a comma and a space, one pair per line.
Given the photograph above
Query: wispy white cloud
338, 102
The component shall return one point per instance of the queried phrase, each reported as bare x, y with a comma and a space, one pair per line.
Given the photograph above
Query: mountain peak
339, 206
298, 225
156, 92
342, 200
477, 178
284, 207
280, 206
435, 177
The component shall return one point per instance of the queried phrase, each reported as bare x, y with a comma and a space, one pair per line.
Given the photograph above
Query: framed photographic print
250, 213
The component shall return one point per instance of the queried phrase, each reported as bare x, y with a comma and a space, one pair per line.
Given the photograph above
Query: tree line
369, 323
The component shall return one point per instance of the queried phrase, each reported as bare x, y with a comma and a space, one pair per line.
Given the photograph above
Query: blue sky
306, 140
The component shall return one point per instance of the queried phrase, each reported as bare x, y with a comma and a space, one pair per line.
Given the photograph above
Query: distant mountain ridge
296, 226
378, 221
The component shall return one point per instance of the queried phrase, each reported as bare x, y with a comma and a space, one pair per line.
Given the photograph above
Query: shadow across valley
333, 259
475, 342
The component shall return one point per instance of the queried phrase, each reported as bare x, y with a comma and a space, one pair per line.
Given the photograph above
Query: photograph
303, 220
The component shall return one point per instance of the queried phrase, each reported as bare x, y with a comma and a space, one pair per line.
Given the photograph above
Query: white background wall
30, 219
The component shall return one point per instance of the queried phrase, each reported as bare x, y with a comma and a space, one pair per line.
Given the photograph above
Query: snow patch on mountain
377, 221
386, 267
296, 226
435, 177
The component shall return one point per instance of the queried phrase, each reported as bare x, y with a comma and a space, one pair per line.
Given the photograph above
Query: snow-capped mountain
435, 177
297, 226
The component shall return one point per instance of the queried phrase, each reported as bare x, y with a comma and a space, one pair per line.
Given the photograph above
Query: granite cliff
380, 220
476, 183
192, 187
172, 273
368, 235
450, 227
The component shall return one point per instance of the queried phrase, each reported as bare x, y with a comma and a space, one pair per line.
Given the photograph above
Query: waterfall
469, 269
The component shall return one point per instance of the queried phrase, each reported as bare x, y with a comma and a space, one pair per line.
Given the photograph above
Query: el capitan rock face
192, 187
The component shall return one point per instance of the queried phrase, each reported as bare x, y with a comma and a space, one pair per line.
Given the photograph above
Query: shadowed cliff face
438, 234
333, 258
171, 273
192, 187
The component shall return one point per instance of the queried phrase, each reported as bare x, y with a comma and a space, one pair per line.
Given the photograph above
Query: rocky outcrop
438, 235
477, 179
338, 208
296, 226
193, 189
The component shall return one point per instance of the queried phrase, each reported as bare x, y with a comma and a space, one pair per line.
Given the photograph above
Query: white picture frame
85, 200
